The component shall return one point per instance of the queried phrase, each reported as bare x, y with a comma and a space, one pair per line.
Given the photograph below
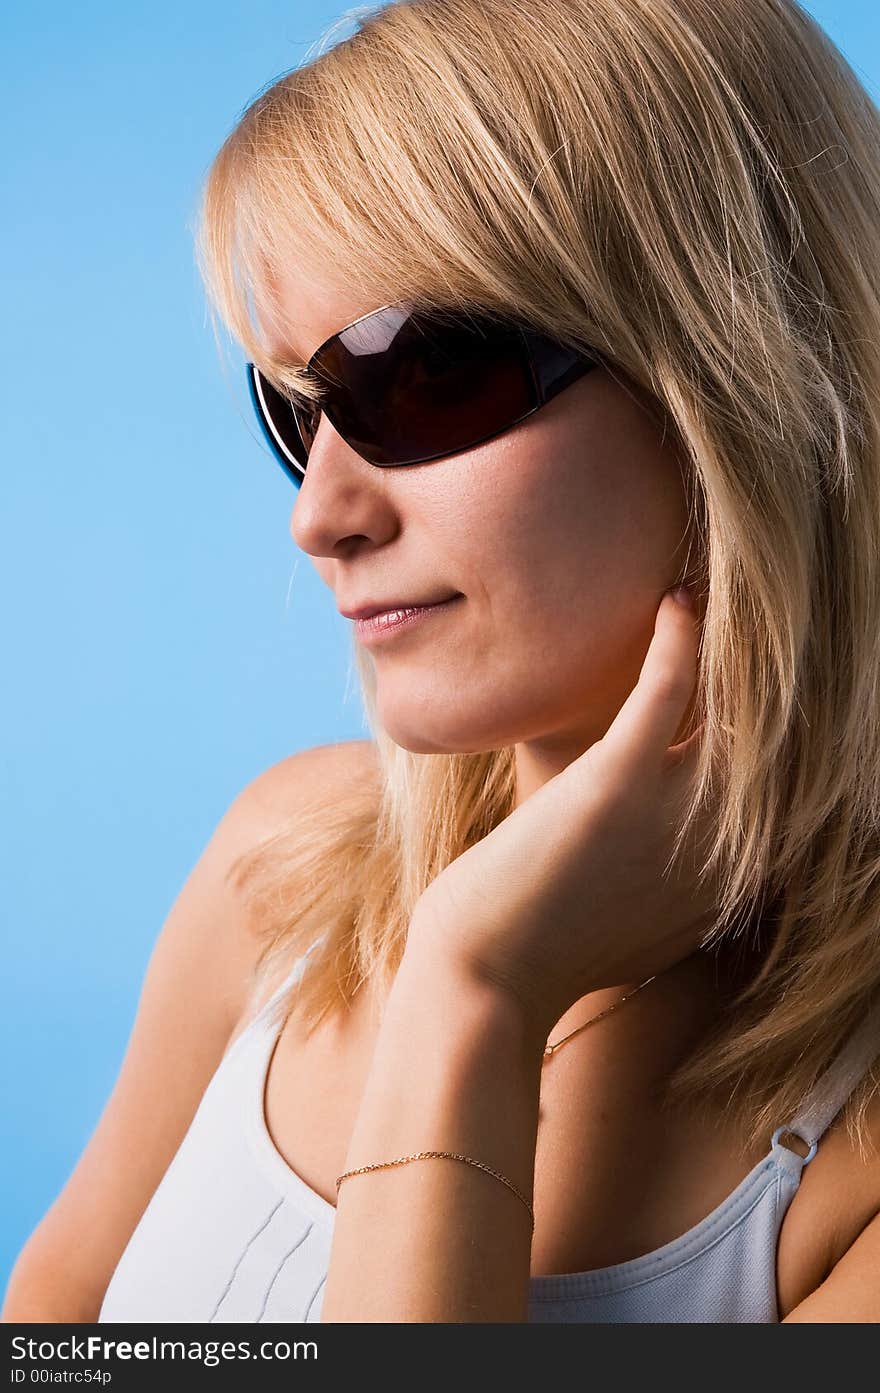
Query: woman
588, 301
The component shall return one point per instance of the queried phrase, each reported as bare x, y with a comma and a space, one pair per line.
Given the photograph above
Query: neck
663, 1018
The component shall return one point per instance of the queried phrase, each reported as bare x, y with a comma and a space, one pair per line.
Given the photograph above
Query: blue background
165, 640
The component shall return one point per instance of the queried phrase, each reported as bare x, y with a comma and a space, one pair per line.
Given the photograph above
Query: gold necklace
551, 1049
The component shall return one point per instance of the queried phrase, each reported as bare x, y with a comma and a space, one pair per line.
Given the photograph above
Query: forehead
303, 306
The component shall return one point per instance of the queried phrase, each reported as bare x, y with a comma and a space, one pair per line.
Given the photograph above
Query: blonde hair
692, 188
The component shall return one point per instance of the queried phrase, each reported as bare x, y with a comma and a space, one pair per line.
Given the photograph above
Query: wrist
430, 979
455, 1068
454, 1071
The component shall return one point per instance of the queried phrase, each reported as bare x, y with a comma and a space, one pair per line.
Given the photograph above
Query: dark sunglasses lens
408, 389
288, 430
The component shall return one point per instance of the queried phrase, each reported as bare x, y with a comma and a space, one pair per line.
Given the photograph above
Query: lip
386, 606
377, 628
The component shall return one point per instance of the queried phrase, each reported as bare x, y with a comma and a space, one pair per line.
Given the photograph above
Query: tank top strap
292, 975
850, 1064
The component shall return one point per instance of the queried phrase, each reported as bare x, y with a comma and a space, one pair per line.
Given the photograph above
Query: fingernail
684, 595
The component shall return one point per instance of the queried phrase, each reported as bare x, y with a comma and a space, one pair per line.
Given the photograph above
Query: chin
419, 743
419, 733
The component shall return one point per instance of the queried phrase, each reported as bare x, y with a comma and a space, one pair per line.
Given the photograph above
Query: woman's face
560, 535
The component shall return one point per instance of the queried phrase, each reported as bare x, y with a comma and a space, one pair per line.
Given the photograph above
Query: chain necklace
551, 1049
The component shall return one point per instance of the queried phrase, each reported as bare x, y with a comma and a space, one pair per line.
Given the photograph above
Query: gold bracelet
453, 1156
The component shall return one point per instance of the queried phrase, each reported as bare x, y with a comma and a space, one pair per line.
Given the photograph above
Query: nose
342, 497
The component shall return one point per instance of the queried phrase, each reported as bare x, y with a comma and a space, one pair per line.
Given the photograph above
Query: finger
652, 714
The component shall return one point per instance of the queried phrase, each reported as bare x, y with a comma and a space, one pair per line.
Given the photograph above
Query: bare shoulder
196, 986
280, 790
837, 1199
851, 1180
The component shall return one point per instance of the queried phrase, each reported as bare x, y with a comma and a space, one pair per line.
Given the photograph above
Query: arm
195, 991
456, 1068
850, 1293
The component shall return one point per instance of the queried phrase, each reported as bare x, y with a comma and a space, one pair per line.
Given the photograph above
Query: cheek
562, 527
577, 529
572, 524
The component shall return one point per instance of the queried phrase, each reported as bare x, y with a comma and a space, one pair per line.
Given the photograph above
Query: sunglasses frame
552, 367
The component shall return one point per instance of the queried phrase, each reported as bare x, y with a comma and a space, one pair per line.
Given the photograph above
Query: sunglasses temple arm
555, 367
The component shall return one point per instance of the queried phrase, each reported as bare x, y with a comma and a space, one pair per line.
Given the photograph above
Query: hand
568, 894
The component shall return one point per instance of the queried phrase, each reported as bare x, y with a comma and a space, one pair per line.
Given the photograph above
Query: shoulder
314, 793
284, 800
278, 789
837, 1198
192, 1002
852, 1179
841, 1205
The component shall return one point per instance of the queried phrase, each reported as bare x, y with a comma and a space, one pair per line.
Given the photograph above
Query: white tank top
233, 1234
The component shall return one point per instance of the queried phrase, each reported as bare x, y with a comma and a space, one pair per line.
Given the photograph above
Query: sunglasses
403, 386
